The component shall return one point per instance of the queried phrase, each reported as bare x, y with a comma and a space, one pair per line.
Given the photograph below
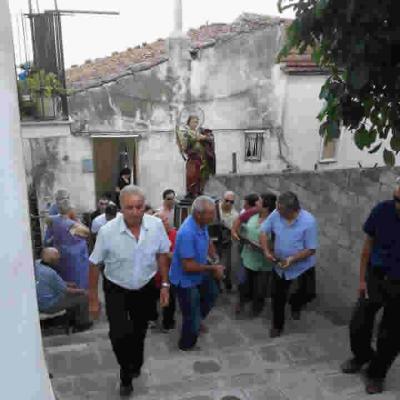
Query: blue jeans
195, 303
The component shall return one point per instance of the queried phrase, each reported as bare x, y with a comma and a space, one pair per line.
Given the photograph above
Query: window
329, 148
253, 145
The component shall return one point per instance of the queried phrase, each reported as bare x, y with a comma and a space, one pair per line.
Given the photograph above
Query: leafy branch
358, 43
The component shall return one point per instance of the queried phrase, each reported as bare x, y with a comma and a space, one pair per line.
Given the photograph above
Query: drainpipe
22, 363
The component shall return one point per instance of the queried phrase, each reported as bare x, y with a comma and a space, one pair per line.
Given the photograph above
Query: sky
91, 36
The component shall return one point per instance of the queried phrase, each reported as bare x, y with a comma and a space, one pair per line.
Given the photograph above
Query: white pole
23, 370
178, 26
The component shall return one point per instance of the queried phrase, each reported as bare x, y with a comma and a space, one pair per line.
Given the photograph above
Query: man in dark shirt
101, 208
379, 287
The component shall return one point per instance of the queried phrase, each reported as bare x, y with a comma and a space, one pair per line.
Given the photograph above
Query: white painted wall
23, 371
160, 166
63, 155
301, 127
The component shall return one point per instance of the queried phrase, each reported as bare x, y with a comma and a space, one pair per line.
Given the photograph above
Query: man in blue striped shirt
294, 232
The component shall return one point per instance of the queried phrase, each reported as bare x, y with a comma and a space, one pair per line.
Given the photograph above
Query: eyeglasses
229, 201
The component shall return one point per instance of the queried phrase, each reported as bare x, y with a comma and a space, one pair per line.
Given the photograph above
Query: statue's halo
187, 112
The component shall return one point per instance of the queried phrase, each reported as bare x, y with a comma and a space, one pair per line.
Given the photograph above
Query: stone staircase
237, 361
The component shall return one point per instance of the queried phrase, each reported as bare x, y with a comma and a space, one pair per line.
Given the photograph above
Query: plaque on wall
87, 165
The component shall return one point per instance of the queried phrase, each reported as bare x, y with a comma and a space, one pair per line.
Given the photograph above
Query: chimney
178, 26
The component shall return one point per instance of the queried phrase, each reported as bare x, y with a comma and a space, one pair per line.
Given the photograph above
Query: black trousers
128, 313
382, 292
303, 292
254, 288
168, 313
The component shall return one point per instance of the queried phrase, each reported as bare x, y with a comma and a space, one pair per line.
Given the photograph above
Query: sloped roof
148, 55
296, 63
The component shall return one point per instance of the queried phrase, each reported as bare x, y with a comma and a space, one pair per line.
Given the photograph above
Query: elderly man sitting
55, 295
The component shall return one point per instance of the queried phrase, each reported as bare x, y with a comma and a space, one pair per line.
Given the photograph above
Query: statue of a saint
198, 149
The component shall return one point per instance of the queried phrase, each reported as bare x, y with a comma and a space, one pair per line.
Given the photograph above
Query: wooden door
110, 155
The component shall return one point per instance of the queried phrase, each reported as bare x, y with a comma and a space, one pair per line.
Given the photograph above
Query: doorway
110, 156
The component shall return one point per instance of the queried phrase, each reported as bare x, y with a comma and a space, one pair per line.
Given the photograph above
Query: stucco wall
232, 82
341, 201
55, 162
301, 129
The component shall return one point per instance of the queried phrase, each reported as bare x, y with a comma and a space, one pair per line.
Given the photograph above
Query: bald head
50, 256
163, 215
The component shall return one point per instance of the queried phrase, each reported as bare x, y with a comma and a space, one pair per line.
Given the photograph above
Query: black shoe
82, 327
167, 327
275, 332
125, 390
193, 348
296, 315
135, 374
374, 386
352, 366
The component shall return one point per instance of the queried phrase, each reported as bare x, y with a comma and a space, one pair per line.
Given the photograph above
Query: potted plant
45, 89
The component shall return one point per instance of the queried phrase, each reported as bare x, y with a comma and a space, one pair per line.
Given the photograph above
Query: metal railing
37, 105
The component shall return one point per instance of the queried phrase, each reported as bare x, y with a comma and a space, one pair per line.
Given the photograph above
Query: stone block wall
340, 200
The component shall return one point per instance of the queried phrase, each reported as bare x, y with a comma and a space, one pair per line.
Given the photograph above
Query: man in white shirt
130, 246
110, 213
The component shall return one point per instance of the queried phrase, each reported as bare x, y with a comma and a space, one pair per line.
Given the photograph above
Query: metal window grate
253, 146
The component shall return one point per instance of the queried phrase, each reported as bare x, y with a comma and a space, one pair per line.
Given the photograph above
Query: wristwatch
165, 285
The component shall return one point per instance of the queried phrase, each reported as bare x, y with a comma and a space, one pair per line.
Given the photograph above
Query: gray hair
229, 192
61, 194
289, 201
64, 206
132, 190
201, 202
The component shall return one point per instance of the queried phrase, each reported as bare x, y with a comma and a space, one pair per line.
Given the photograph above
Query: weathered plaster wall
56, 162
231, 81
341, 201
301, 127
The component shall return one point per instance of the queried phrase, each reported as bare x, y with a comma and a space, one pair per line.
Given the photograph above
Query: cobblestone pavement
237, 361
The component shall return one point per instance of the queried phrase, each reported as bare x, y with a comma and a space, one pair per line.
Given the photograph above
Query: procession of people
150, 267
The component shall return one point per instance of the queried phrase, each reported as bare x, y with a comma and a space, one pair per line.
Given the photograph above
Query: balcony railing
41, 103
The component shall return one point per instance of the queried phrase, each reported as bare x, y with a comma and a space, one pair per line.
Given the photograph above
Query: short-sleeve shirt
227, 218
383, 225
192, 242
98, 222
252, 258
247, 214
290, 239
130, 263
50, 287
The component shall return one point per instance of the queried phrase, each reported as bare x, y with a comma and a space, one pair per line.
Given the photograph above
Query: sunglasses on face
229, 201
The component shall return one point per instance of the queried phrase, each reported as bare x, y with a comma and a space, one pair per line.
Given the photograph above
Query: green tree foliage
358, 43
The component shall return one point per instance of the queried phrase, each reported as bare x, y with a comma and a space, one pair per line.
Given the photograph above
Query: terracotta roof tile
102, 69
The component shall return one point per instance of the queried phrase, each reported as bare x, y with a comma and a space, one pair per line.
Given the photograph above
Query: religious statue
198, 150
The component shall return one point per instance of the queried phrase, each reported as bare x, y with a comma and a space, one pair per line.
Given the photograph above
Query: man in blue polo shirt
192, 276
54, 294
294, 231
379, 287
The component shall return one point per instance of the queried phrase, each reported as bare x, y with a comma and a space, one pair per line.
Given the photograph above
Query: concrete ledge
45, 129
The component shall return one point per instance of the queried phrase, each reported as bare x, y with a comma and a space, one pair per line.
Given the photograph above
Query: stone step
298, 366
